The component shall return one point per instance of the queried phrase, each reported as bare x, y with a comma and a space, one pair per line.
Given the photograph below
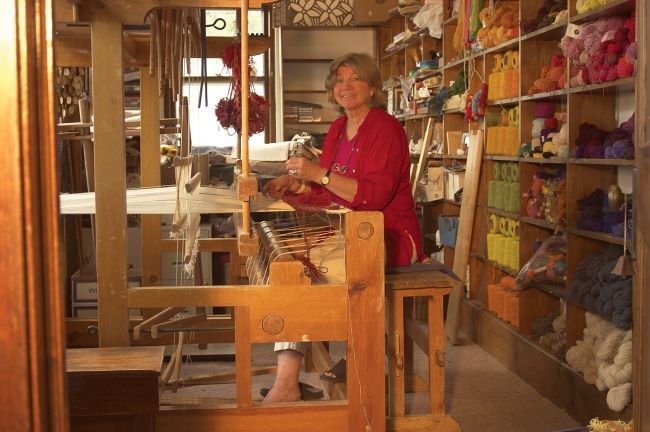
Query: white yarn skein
619, 396
624, 355
608, 345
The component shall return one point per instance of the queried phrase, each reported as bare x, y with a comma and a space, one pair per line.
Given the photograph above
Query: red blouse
378, 158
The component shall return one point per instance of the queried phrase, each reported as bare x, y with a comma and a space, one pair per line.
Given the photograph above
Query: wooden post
110, 183
150, 174
244, 111
366, 303
464, 237
641, 299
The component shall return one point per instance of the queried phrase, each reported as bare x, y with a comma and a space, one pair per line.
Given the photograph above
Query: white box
84, 288
454, 181
134, 250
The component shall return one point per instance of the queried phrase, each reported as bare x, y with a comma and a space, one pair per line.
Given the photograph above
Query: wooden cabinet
511, 69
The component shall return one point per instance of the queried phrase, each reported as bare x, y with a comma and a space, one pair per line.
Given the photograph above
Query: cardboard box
372, 11
453, 183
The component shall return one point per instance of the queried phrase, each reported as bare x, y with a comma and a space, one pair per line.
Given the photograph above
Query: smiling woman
364, 166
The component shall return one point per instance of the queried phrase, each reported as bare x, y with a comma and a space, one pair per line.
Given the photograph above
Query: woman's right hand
280, 185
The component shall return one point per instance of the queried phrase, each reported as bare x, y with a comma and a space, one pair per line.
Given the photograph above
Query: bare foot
282, 393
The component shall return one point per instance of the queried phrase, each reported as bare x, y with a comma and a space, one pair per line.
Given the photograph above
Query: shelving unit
605, 105
306, 56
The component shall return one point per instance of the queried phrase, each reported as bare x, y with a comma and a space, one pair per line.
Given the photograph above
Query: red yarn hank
309, 202
228, 109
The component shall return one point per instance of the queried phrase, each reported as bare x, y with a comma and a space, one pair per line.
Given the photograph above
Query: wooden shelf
619, 7
498, 102
621, 85
454, 157
605, 237
541, 223
484, 259
552, 32
553, 378
503, 213
551, 161
502, 158
452, 202
554, 290
618, 162
547, 95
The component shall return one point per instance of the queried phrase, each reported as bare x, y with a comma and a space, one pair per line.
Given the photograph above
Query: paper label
573, 30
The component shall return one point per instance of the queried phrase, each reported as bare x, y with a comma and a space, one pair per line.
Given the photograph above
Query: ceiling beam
133, 11
75, 50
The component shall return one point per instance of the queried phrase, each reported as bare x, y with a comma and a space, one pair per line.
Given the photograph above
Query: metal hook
220, 26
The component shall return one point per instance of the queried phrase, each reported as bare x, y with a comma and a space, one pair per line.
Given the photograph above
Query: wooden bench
402, 334
113, 389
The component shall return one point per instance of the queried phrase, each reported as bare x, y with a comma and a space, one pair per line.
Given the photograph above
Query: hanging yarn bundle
228, 109
604, 356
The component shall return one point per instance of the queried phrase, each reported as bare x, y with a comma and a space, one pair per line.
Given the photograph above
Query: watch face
325, 180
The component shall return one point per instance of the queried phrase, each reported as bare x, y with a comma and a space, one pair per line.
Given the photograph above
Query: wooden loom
287, 309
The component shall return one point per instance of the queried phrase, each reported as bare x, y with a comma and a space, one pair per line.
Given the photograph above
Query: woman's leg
285, 387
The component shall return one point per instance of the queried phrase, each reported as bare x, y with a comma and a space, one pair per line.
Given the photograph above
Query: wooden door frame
641, 300
31, 310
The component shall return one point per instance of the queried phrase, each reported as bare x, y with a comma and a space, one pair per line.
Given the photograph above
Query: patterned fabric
319, 13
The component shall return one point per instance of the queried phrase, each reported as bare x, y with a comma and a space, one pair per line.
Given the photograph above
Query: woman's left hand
304, 169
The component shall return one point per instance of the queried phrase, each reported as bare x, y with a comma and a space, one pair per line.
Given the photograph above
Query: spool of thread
492, 118
516, 229
513, 308
506, 61
493, 224
496, 171
514, 254
544, 109
538, 126
505, 172
507, 307
515, 172
491, 289
500, 198
499, 248
497, 63
502, 225
511, 228
514, 60
508, 282
506, 253
499, 298
491, 242
513, 198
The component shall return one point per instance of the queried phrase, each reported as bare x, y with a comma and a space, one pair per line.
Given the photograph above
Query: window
206, 130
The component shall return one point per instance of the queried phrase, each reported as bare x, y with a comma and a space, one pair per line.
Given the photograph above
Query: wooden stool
114, 388
399, 286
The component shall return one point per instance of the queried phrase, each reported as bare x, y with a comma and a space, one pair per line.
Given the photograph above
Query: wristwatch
326, 178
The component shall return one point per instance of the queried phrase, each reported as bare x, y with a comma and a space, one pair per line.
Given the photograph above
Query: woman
364, 166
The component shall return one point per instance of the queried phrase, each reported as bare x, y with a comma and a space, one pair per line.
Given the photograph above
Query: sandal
307, 392
336, 374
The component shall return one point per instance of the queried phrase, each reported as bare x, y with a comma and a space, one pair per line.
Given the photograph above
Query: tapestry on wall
314, 13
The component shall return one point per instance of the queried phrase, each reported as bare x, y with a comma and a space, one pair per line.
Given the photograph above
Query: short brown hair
367, 70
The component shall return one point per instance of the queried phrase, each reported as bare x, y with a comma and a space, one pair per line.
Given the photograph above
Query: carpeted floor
481, 395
